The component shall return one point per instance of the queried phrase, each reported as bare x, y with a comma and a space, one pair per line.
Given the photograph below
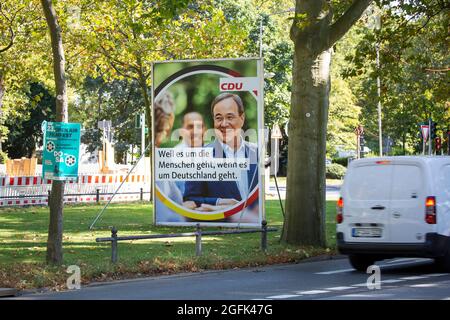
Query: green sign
61, 150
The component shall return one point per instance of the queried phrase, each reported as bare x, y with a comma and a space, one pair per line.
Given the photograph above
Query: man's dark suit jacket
209, 191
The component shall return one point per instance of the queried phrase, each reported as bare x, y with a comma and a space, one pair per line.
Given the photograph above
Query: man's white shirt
242, 183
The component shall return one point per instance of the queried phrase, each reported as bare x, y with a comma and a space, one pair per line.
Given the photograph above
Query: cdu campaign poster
208, 142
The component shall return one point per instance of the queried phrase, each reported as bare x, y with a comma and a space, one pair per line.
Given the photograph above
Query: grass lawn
23, 236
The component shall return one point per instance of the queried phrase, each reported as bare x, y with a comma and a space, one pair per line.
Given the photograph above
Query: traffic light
362, 143
448, 141
438, 143
433, 129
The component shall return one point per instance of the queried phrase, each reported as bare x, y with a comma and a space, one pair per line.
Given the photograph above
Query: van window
407, 182
370, 182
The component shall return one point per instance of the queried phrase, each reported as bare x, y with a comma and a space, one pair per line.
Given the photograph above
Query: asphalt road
318, 280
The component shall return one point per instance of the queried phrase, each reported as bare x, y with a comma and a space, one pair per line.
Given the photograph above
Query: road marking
424, 285
359, 284
284, 296
392, 281
335, 271
310, 292
406, 261
401, 260
414, 278
339, 288
363, 295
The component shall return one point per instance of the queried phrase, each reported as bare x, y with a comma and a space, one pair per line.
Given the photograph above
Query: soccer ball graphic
50, 146
70, 160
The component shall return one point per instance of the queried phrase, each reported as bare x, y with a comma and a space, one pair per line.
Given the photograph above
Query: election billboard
61, 150
207, 142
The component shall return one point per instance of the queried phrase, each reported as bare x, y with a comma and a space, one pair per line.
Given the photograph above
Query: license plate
366, 232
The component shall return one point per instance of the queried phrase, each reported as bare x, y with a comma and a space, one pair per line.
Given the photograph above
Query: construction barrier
33, 190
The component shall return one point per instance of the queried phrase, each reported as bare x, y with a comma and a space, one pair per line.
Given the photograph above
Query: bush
335, 171
3, 157
341, 161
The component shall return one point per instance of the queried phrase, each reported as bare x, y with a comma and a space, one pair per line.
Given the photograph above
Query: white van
395, 206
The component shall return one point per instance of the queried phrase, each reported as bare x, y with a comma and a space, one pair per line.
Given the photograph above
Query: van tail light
340, 210
430, 210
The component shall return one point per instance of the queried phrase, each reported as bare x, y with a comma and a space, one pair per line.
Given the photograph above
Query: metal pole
357, 146
114, 245
143, 133
279, 196
117, 190
423, 145
198, 241
98, 196
264, 236
430, 142
142, 194
380, 135
260, 37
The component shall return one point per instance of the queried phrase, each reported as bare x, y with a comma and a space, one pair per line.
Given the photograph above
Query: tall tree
56, 202
21, 39
313, 32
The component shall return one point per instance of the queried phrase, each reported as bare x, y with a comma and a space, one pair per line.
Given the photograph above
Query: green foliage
342, 161
119, 101
414, 86
3, 157
25, 131
335, 171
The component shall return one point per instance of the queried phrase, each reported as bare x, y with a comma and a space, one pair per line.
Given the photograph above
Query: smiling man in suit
229, 116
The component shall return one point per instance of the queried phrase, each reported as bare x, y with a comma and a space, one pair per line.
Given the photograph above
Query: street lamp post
380, 135
377, 25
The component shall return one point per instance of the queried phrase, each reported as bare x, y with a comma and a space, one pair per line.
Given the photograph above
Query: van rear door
366, 194
407, 207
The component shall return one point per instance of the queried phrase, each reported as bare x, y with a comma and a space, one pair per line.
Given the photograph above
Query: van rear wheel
361, 262
443, 263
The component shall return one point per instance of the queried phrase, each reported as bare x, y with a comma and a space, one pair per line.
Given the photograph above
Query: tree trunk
2, 93
148, 114
56, 201
313, 34
305, 199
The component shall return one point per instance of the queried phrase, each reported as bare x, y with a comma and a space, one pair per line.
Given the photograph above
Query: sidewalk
332, 189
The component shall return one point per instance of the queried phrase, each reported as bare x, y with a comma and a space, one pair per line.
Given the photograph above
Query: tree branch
11, 40
347, 20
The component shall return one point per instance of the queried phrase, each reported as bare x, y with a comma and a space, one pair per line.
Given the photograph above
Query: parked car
395, 206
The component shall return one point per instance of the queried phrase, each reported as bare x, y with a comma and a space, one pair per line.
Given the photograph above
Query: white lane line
359, 284
414, 278
392, 281
284, 296
335, 271
424, 285
402, 260
438, 274
339, 288
310, 292
364, 295
387, 264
